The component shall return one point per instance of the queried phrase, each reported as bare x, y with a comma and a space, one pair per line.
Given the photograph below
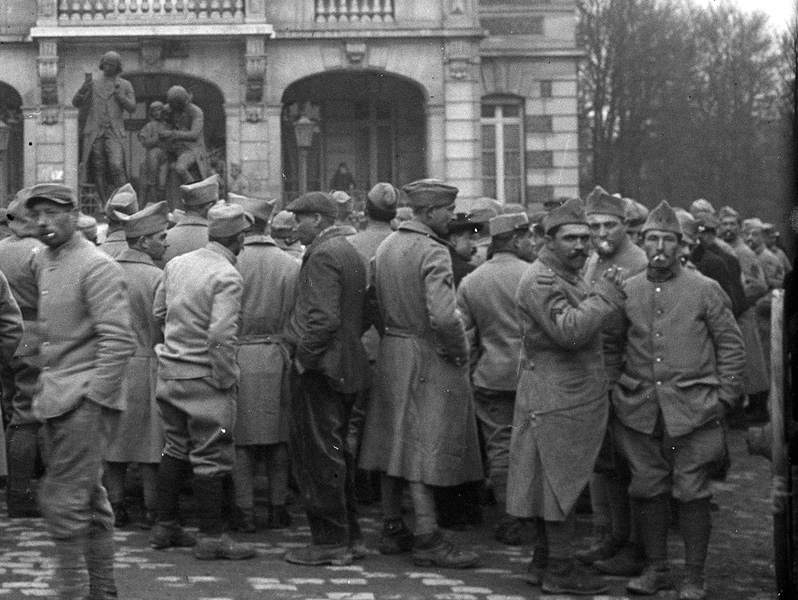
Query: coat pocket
629, 383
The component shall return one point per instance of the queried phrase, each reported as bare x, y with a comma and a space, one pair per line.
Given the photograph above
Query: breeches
494, 410
107, 157
198, 424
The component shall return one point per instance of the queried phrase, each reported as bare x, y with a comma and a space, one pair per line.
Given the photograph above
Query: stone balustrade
354, 11
162, 11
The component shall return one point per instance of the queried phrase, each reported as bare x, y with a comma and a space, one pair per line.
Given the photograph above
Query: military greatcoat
270, 279
561, 405
140, 436
190, 234
420, 424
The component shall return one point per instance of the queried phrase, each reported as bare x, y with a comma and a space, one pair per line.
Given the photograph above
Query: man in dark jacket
329, 370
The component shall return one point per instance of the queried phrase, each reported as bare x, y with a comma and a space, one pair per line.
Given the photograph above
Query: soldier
636, 215
682, 370
706, 252
86, 342
618, 550
191, 231
772, 242
561, 404
420, 423
461, 236
18, 262
140, 437
199, 304
329, 371
282, 229
346, 207
270, 278
125, 201
754, 236
486, 301
104, 132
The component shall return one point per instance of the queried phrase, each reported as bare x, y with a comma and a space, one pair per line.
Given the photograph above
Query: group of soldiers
596, 344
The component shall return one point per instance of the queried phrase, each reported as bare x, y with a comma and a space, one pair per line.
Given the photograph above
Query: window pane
510, 110
512, 164
488, 111
512, 137
489, 164
512, 190
488, 137
489, 187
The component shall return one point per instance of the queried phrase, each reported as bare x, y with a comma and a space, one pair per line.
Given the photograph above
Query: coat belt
260, 339
403, 333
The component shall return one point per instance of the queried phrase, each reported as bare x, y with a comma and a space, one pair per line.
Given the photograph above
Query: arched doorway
11, 143
153, 86
375, 122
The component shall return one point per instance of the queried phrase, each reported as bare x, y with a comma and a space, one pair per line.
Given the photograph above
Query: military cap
707, 222
463, 222
87, 225
429, 193
636, 213
340, 196
200, 192
258, 208
384, 196
511, 208
688, 224
123, 200
728, 211
599, 201
507, 223
283, 221
150, 219
54, 192
315, 202
17, 206
176, 215
662, 218
404, 213
701, 206
227, 220
570, 213
484, 209
754, 223
553, 203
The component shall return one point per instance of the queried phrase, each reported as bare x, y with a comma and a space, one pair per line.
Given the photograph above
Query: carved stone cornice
255, 68
47, 66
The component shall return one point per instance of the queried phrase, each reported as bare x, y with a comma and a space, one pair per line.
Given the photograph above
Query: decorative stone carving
457, 7
47, 63
355, 52
50, 115
255, 68
460, 58
253, 113
151, 55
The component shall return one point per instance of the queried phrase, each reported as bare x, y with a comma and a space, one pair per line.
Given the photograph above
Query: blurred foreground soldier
104, 102
84, 322
772, 242
486, 301
123, 200
420, 424
561, 404
87, 226
346, 207
282, 230
191, 232
18, 262
755, 287
199, 304
329, 370
140, 437
682, 371
618, 546
270, 278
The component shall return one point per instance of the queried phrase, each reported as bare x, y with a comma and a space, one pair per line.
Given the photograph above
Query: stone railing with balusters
161, 11
354, 11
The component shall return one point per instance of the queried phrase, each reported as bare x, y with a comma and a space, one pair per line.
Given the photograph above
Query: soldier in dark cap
329, 371
461, 235
561, 403
420, 424
104, 101
191, 232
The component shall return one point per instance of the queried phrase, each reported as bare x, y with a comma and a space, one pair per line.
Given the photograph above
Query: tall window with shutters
503, 148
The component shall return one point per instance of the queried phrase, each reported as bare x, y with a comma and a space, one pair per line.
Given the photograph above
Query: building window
503, 149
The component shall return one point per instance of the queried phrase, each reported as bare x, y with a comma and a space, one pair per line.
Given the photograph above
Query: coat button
659, 383
659, 359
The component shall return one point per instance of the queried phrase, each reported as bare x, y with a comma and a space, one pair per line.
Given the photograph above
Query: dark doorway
12, 151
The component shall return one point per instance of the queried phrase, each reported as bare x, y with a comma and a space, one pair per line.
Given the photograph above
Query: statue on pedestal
152, 187
102, 102
186, 136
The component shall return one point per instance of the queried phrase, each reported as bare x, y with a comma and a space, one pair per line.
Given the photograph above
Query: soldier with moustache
263, 405
420, 424
682, 370
618, 551
561, 402
199, 304
18, 262
140, 436
191, 231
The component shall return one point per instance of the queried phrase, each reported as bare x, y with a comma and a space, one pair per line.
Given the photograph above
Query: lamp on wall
304, 128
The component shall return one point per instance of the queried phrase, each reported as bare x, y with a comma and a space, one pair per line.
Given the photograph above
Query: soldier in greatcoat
270, 279
420, 423
682, 370
282, 230
199, 304
191, 231
329, 372
140, 437
86, 341
123, 200
561, 404
18, 262
618, 550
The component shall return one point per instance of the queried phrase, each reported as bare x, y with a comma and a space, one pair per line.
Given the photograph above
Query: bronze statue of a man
103, 102
186, 137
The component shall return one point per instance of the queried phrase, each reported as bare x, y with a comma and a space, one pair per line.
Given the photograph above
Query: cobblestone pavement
740, 564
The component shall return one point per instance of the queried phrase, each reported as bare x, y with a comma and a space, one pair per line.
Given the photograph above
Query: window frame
499, 123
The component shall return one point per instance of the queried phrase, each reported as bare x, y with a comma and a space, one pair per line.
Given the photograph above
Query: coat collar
192, 219
548, 258
259, 240
416, 227
130, 255
116, 236
504, 257
76, 241
219, 249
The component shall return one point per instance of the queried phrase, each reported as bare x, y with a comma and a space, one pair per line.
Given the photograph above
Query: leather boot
100, 564
434, 550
